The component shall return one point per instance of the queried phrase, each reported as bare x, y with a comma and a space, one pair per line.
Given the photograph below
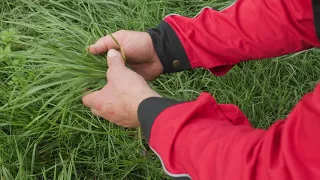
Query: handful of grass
45, 129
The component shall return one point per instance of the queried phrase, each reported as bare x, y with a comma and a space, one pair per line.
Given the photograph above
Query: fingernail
87, 48
112, 53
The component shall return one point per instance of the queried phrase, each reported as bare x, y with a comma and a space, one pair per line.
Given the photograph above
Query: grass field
46, 132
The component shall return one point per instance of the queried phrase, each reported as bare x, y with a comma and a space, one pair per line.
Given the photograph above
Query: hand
138, 49
119, 100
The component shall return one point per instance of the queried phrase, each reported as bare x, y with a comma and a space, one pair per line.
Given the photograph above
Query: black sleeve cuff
169, 48
149, 109
316, 15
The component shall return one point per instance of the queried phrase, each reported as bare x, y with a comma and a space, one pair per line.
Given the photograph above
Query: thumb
114, 59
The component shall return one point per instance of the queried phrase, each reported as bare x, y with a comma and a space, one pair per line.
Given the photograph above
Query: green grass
46, 132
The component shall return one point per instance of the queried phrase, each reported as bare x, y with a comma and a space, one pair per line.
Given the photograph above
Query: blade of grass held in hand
121, 48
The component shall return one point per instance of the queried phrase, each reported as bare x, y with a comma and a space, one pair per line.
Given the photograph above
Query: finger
146, 70
114, 59
104, 44
96, 112
92, 100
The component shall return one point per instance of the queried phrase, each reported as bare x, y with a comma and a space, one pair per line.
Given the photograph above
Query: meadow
47, 133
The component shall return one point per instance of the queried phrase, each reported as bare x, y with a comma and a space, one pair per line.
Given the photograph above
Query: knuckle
84, 100
98, 106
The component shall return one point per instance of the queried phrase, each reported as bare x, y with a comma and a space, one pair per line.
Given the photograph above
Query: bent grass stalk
121, 48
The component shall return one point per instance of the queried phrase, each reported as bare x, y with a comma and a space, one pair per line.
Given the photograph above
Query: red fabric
207, 140
248, 30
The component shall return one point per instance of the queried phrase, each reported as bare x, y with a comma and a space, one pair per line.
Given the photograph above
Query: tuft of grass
46, 133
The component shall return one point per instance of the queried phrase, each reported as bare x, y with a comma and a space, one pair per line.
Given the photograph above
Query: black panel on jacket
316, 15
148, 111
169, 48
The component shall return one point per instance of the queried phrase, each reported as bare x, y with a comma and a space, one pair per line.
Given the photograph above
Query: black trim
316, 15
148, 111
169, 48
181, 178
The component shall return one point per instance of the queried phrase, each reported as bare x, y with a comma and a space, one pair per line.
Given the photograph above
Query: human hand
138, 49
118, 101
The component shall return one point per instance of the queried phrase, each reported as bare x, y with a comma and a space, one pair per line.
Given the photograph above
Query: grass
46, 133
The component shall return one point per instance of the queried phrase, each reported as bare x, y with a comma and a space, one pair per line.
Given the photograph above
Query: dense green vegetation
46, 132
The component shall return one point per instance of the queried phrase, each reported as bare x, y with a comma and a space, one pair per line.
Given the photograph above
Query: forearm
247, 30
205, 140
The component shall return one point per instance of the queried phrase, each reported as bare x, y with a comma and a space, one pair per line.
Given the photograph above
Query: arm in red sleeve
203, 140
247, 30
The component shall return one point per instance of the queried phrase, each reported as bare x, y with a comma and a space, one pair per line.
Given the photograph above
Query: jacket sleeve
204, 140
247, 30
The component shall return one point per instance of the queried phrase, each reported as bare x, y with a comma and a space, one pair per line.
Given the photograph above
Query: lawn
46, 132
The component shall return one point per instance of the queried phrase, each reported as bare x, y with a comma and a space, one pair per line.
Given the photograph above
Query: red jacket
205, 140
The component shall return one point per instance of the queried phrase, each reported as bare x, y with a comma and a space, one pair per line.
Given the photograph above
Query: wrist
169, 49
149, 109
156, 62
144, 96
